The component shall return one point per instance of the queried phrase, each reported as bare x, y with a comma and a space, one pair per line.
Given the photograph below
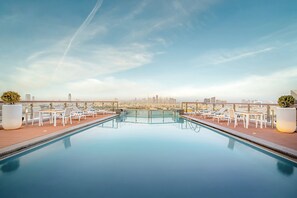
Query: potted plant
11, 112
286, 116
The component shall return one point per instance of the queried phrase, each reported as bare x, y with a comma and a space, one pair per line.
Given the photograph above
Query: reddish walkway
28, 132
269, 134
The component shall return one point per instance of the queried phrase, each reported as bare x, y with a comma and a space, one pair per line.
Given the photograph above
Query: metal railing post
31, 110
26, 115
272, 119
268, 113
135, 115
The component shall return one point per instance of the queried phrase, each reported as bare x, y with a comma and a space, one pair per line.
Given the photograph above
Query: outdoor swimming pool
133, 157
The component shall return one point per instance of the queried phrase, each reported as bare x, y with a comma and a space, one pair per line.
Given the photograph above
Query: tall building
172, 100
28, 97
157, 99
33, 98
69, 97
206, 100
213, 100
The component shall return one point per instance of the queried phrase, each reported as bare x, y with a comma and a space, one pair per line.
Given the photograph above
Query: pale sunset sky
187, 49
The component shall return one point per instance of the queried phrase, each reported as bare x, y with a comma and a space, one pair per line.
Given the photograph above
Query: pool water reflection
128, 157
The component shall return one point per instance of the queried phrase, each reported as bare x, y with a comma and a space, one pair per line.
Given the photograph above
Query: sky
186, 49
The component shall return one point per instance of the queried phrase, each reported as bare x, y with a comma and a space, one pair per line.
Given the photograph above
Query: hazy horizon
188, 50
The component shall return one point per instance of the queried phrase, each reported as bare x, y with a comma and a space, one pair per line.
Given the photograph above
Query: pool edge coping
15, 149
277, 149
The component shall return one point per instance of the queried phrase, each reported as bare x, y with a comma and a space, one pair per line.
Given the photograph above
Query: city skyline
233, 50
157, 99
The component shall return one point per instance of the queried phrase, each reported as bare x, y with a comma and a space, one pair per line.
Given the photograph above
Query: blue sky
190, 49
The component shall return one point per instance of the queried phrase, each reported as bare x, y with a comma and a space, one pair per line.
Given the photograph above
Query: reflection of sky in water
150, 120
123, 159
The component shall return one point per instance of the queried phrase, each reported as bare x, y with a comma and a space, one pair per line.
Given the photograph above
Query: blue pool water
141, 157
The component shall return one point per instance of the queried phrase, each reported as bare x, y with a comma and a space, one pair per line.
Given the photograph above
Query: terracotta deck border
282, 151
35, 142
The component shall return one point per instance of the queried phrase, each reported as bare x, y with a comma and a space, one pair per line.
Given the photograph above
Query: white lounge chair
211, 114
66, 115
264, 120
198, 112
234, 117
90, 112
102, 111
34, 115
77, 113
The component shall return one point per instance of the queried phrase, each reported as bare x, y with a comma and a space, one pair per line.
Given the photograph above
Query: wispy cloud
169, 15
79, 30
266, 87
137, 10
93, 62
280, 40
281, 34
109, 88
225, 57
222, 56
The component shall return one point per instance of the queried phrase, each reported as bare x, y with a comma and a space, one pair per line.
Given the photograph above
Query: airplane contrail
80, 29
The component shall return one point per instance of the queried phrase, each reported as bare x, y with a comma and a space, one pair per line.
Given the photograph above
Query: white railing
49, 104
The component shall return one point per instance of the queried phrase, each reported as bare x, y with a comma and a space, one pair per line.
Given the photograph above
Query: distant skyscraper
28, 97
213, 100
172, 100
33, 98
69, 97
206, 100
157, 99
